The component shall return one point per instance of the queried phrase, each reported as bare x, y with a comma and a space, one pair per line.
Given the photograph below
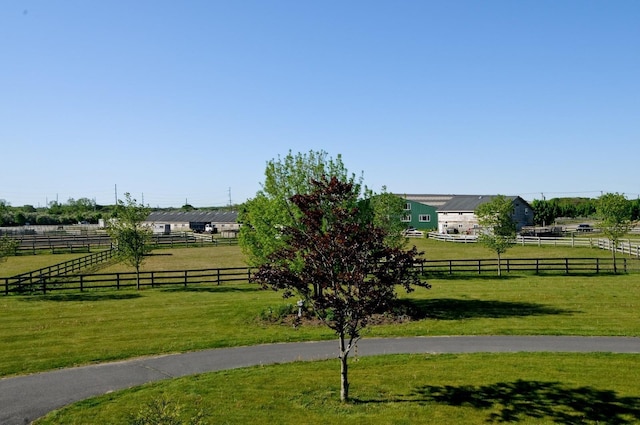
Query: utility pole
230, 204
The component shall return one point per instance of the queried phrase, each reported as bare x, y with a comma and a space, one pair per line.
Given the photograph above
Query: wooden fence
84, 243
58, 243
534, 265
56, 271
44, 283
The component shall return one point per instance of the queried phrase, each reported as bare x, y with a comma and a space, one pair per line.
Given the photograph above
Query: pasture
65, 329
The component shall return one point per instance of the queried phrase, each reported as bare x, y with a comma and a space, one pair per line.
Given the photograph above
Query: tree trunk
499, 265
138, 277
344, 371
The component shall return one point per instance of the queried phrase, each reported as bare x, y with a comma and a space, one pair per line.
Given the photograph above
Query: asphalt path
26, 398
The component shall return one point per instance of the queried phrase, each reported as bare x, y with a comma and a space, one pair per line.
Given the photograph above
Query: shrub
161, 411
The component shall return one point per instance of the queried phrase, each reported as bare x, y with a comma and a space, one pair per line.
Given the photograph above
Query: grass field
47, 332
543, 388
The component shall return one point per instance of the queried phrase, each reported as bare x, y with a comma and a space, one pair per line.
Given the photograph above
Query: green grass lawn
63, 329
27, 262
542, 388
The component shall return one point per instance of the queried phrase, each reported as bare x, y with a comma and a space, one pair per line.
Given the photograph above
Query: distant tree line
71, 212
545, 212
74, 211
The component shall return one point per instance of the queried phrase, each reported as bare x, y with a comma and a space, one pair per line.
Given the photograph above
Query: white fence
626, 246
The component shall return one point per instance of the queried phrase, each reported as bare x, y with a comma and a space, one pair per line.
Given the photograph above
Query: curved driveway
25, 398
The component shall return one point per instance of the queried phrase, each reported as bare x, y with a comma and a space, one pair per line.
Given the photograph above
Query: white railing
626, 246
452, 238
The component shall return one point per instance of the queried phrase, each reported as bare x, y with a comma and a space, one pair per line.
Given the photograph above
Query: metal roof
457, 203
431, 200
193, 216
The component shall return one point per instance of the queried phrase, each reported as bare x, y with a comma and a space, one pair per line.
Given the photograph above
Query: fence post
479, 266
185, 278
566, 265
624, 262
152, 280
81, 283
117, 280
218, 277
6, 286
597, 265
537, 265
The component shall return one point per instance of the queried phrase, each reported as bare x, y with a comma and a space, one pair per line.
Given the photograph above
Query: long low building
224, 223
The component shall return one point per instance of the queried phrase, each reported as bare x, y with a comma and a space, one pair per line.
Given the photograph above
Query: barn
456, 213
224, 223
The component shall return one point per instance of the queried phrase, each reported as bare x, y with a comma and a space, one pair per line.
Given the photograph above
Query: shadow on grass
213, 289
523, 400
456, 309
84, 296
473, 276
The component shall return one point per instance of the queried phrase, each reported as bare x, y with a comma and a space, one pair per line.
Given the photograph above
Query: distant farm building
456, 213
224, 223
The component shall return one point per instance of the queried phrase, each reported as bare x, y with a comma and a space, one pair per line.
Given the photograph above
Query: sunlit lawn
64, 329
542, 388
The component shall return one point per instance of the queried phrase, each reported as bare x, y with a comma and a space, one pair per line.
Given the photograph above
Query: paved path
25, 398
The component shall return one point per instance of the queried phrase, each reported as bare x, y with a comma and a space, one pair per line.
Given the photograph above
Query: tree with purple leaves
337, 261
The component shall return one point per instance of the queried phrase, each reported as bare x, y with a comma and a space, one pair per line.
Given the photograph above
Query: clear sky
186, 101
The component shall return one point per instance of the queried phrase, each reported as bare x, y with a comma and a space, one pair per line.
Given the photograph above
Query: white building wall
462, 222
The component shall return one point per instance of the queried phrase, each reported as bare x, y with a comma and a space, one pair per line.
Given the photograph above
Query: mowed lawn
446, 389
65, 329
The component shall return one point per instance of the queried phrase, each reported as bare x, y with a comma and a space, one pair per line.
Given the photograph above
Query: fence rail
630, 247
80, 282
535, 265
52, 243
47, 282
77, 243
48, 274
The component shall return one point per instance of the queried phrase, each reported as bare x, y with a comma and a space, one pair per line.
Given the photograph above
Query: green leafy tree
335, 246
129, 232
4, 213
8, 246
264, 216
388, 210
544, 213
615, 213
498, 227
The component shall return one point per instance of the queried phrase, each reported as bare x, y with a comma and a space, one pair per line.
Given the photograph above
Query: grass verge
542, 388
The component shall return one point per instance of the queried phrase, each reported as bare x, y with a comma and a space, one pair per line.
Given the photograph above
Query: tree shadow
457, 309
213, 289
84, 296
520, 400
472, 276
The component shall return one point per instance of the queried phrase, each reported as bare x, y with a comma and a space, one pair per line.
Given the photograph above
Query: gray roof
457, 203
193, 216
432, 200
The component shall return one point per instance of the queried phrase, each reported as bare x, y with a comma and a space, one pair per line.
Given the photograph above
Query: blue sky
186, 101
